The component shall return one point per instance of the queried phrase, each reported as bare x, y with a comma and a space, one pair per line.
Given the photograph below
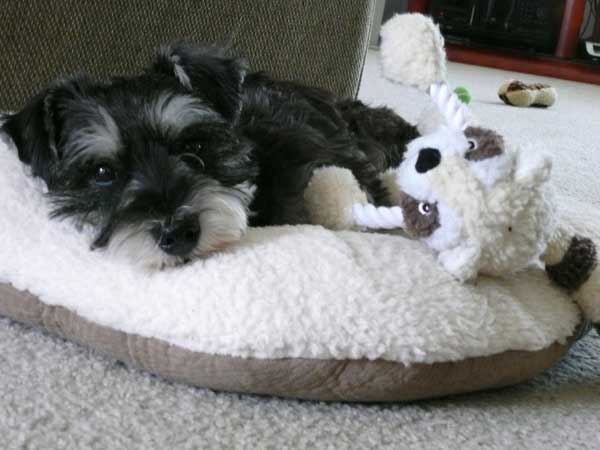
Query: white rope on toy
378, 217
449, 105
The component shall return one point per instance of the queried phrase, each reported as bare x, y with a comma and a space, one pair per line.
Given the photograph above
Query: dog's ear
29, 131
207, 73
36, 129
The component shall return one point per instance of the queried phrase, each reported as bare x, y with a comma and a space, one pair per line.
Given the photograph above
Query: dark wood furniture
560, 65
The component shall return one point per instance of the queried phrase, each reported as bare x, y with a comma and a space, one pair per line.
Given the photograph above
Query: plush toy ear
36, 129
533, 169
205, 72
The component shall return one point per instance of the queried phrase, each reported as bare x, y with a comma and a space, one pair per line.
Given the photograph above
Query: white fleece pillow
283, 292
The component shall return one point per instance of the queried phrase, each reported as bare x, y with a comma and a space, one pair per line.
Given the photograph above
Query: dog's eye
193, 148
472, 144
192, 160
104, 175
424, 208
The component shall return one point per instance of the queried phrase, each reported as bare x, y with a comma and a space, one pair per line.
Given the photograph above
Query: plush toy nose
179, 236
428, 159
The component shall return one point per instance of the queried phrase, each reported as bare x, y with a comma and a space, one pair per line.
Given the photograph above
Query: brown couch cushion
322, 43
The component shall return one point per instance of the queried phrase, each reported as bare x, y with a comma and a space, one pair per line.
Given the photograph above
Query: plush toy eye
424, 208
104, 175
472, 144
193, 161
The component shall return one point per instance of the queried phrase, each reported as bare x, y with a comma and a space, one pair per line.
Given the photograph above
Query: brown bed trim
314, 379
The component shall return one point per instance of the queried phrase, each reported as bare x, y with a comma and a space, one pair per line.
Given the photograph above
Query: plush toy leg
412, 51
329, 197
461, 262
572, 263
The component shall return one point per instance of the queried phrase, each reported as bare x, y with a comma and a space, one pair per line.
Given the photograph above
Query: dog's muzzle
178, 236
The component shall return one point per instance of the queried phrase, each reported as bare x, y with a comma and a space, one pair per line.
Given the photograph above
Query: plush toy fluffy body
484, 207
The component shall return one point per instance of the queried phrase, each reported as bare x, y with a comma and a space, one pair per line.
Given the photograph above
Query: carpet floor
58, 395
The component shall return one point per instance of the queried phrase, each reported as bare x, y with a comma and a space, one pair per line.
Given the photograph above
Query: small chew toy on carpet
517, 93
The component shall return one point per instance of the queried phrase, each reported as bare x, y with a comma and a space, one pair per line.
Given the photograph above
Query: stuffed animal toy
517, 93
484, 207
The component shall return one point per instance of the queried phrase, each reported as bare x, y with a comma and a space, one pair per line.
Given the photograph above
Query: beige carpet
57, 395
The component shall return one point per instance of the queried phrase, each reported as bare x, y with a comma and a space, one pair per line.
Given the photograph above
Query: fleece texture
59, 395
412, 51
282, 292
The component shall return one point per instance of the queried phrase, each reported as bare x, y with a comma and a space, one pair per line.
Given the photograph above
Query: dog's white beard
223, 217
135, 244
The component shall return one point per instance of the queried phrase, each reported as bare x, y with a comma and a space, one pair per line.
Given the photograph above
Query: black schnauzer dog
175, 163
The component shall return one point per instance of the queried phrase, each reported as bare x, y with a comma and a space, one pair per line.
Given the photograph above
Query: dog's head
151, 162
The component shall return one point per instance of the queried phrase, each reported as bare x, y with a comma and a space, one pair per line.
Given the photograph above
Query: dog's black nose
179, 236
428, 159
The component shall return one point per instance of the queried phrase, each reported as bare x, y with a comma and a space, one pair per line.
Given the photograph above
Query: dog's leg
379, 132
379, 136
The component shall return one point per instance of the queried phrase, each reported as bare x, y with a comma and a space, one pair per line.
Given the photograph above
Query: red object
569, 30
545, 66
419, 6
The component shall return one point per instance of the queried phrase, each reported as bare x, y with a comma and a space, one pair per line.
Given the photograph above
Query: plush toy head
481, 205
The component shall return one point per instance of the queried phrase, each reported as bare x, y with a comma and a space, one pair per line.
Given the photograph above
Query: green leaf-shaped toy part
463, 94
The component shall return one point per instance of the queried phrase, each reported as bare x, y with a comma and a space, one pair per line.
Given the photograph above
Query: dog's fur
174, 163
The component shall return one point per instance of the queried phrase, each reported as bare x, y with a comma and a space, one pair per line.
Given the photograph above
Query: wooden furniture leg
569, 30
419, 6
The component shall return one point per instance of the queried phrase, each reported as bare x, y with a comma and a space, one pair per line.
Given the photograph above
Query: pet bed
291, 311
